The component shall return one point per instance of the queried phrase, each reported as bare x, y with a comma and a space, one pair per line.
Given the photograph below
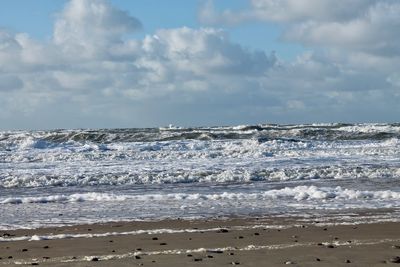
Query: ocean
67, 177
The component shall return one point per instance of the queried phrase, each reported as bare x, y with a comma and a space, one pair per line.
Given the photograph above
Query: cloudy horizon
104, 64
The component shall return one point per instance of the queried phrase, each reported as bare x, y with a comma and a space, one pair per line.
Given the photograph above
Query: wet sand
244, 242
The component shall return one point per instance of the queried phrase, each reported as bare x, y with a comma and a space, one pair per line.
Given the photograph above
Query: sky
148, 63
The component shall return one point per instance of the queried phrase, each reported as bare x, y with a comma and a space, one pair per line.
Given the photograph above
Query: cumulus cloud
354, 48
9, 50
90, 69
288, 11
373, 31
208, 15
93, 73
203, 52
361, 25
316, 10
92, 28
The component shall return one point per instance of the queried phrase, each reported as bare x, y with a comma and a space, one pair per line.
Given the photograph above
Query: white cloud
92, 28
9, 50
208, 15
359, 25
92, 73
356, 51
316, 10
373, 31
92, 66
203, 52
289, 11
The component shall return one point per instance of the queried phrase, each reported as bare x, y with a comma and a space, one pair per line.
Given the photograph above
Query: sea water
64, 177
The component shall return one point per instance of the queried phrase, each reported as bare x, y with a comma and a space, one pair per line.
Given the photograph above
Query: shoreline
349, 216
245, 241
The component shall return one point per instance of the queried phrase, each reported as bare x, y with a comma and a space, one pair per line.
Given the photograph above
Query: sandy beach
244, 242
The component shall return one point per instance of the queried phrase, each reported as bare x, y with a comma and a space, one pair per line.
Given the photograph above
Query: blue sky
116, 63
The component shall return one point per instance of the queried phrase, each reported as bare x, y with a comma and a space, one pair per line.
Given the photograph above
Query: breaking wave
299, 193
238, 154
329, 132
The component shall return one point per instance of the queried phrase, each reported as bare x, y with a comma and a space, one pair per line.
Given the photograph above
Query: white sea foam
73, 163
137, 232
188, 202
371, 128
212, 169
64, 198
297, 193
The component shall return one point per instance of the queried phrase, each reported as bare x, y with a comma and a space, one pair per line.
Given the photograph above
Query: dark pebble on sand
34, 263
325, 229
163, 244
231, 253
189, 255
111, 241
320, 244
190, 238
318, 259
210, 256
155, 238
348, 261
222, 231
10, 257
95, 259
46, 247
256, 233
235, 263
240, 237
46, 258
395, 259
336, 238
89, 229
296, 241
74, 258
330, 246
113, 251
215, 251
24, 250
198, 259
139, 249
137, 257
396, 246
